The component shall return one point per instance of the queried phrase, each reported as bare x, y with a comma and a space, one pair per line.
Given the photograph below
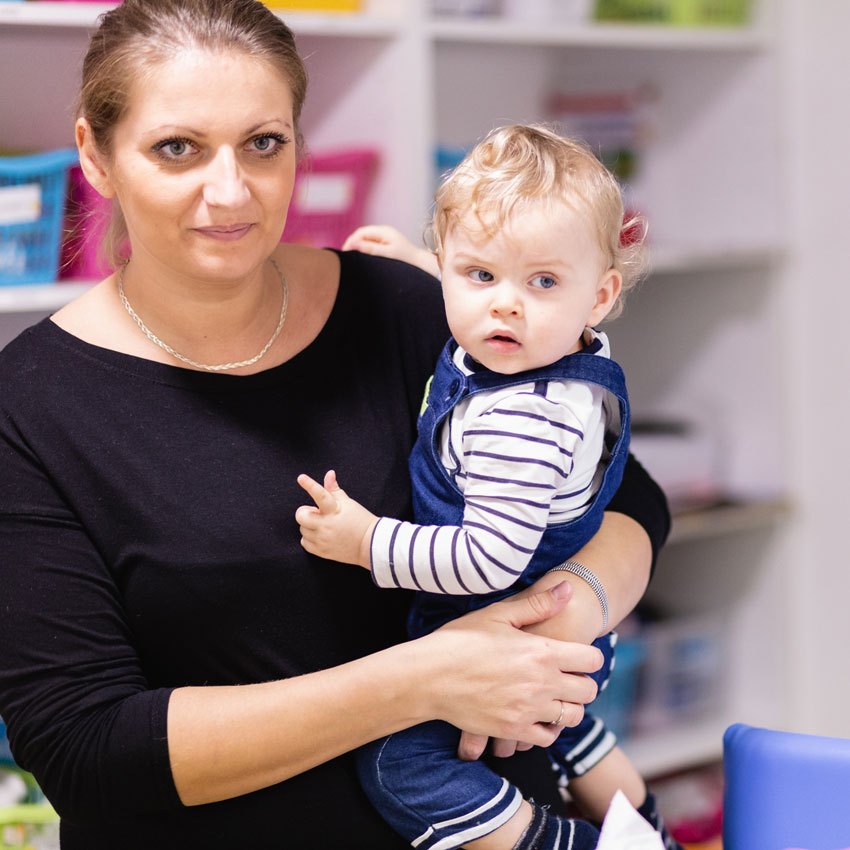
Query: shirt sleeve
79, 712
516, 456
640, 497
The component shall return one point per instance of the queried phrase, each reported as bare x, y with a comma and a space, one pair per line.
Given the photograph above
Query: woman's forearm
228, 741
620, 555
481, 672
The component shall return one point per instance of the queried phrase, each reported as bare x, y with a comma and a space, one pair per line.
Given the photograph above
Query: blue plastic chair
785, 790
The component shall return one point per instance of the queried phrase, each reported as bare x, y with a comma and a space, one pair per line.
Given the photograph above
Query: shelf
84, 15
52, 14
506, 31
677, 747
666, 260
487, 30
727, 518
40, 297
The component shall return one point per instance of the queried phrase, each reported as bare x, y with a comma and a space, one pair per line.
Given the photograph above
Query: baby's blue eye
543, 281
481, 276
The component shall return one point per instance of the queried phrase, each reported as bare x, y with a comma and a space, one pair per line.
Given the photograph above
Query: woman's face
203, 164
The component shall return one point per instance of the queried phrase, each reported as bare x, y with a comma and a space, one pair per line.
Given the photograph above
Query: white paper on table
624, 829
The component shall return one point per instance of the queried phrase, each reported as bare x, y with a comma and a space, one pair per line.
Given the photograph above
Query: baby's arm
338, 527
385, 241
511, 470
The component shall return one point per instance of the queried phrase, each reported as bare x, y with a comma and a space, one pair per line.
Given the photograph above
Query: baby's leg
541, 831
593, 792
438, 802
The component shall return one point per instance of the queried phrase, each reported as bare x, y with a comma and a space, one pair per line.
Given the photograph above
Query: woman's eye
481, 276
543, 281
268, 144
173, 148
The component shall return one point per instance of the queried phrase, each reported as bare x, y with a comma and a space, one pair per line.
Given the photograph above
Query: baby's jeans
436, 801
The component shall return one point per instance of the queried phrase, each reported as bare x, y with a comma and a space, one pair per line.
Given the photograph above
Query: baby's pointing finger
325, 502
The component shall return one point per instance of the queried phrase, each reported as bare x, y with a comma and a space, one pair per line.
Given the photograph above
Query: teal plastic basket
615, 703
32, 205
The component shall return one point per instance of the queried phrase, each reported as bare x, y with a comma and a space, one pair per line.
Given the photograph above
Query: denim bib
437, 500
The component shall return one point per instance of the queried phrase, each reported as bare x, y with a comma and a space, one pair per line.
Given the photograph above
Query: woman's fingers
504, 747
533, 608
471, 747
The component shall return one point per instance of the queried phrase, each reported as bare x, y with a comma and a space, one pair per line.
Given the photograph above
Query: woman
174, 668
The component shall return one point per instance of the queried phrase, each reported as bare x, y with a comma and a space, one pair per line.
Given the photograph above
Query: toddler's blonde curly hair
526, 164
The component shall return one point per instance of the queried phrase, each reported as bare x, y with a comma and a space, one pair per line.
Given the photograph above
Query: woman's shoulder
394, 289
29, 347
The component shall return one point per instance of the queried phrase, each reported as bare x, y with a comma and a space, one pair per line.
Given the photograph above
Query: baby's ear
90, 159
607, 291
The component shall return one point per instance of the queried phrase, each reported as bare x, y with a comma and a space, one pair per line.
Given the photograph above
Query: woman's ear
91, 159
607, 292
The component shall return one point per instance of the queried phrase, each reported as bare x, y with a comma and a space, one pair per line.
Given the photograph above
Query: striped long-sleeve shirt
523, 457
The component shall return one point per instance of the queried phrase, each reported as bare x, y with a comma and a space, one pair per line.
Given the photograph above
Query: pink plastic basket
86, 217
328, 202
329, 199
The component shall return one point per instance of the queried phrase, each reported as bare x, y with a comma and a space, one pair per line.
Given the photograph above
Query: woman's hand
385, 241
496, 678
621, 556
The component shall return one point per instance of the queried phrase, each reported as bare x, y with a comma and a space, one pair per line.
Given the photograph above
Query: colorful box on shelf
86, 218
615, 702
691, 13
329, 199
315, 5
32, 206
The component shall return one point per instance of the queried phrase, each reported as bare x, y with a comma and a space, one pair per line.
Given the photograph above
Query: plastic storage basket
329, 199
615, 702
32, 204
87, 216
695, 13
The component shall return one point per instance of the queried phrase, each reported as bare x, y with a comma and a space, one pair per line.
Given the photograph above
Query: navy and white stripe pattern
457, 831
524, 457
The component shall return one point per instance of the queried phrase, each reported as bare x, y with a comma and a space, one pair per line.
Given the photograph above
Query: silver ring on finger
560, 715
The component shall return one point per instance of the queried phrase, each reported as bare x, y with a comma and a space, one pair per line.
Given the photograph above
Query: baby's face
522, 298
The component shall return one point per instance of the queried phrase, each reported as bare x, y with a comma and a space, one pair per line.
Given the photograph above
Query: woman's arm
103, 741
622, 555
479, 673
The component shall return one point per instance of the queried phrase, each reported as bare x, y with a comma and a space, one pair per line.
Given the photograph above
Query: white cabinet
699, 339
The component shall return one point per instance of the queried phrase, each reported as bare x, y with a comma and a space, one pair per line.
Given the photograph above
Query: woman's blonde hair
139, 35
523, 164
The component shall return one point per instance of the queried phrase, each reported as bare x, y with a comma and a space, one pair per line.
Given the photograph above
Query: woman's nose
224, 185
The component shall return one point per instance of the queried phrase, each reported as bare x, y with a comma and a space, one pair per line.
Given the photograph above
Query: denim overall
414, 777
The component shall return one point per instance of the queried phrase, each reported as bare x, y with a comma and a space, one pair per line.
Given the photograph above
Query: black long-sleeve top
148, 542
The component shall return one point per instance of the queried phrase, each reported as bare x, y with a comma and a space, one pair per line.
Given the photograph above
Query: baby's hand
387, 241
337, 528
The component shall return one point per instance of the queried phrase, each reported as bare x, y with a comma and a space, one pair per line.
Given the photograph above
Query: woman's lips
225, 232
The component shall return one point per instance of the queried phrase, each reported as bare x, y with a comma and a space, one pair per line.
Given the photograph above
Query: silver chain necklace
223, 366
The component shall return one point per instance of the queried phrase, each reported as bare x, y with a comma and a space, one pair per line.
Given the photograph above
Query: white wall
818, 356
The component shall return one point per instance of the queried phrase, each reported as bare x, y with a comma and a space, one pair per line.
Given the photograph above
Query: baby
523, 435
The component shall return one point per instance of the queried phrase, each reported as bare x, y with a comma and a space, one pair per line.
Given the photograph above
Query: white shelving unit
401, 80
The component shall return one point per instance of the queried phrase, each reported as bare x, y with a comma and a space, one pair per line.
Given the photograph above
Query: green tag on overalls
425, 396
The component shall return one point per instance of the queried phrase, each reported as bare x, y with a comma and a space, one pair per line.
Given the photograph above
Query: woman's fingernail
562, 590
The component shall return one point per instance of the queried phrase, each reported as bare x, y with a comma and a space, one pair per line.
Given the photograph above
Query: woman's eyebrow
201, 134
